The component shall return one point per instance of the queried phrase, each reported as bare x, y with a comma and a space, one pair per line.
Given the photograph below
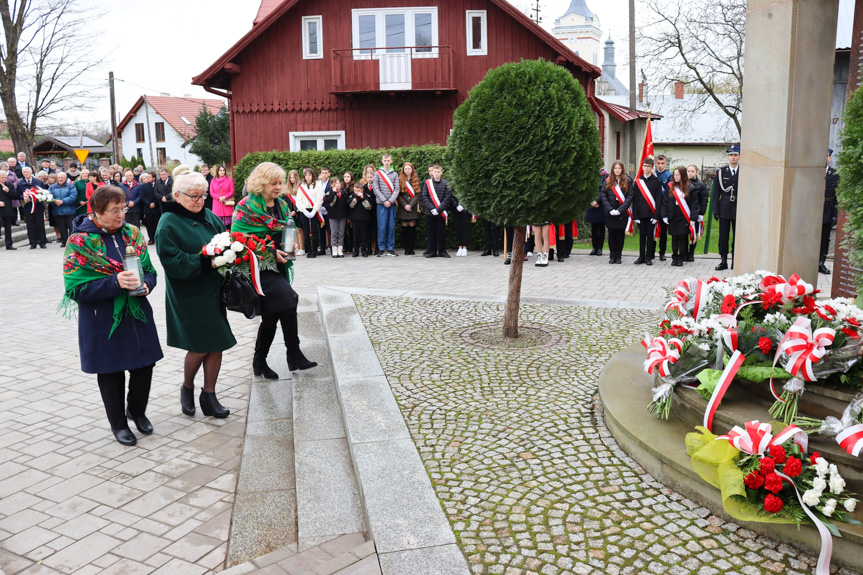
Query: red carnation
850, 333
252, 245
830, 308
754, 480
770, 299
853, 322
765, 344
246, 257
823, 315
714, 279
728, 304
772, 504
773, 482
767, 465
238, 261
793, 467
777, 453
814, 457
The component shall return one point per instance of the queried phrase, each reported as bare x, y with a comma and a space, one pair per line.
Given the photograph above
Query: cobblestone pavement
517, 450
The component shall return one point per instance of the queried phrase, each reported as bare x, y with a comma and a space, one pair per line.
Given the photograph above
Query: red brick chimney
678, 90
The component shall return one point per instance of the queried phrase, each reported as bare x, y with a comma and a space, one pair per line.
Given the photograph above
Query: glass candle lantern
132, 263
289, 238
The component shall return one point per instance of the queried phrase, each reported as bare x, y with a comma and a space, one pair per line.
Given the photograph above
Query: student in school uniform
616, 195
360, 209
647, 197
408, 203
366, 181
436, 201
699, 189
461, 218
310, 198
385, 185
325, 188
680, 214
336, 202
289, 194
348, 188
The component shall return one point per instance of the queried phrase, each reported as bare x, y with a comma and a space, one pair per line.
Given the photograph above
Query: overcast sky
160, 48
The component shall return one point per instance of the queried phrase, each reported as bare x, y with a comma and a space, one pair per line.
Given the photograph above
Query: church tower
579, 29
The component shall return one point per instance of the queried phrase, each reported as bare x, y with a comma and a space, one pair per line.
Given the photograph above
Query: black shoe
11, 248
313, 254
187, 400
486, 253
210, 405
662, 257
365, 254
429, 255
260, 367
443, 255
379, 254
392, 253
508, 260
355, 255
593, 252
618, 260
599, 252
723, 265
308, 254
648, 262
823, 269
640, 260
322, 252
690, 257
560, 258
495, 253
32, 247
612, 259
141, 422
125, 436
296, 360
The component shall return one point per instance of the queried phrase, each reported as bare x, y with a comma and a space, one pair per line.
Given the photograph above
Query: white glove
323, 211
460, 208
665, 221
652, 221
700, 218
434, 212
614, 213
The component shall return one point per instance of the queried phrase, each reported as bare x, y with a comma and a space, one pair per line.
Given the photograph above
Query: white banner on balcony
395, 71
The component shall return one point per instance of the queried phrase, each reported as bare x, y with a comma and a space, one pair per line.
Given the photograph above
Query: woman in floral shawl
116, 331
263, 213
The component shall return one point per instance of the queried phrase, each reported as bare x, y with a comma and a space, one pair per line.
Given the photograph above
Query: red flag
647, 150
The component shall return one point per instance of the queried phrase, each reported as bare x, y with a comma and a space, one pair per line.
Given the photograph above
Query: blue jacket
69, 194
21, 186
133, 194
134, 344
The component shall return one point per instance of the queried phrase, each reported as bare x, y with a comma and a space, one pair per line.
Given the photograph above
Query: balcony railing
393, 69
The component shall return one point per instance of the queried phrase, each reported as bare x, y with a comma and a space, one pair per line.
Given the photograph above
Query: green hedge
341, 161
850, 192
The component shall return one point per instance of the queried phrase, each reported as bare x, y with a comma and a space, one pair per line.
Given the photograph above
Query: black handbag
238, 294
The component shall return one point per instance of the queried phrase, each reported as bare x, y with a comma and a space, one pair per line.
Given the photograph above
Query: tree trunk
18, 132
513, 298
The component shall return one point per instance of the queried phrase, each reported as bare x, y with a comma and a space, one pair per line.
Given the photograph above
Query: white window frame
295, 137
469, 15
307, 55
380, 15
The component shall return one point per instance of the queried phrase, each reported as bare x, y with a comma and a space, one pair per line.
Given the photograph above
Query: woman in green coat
197, 321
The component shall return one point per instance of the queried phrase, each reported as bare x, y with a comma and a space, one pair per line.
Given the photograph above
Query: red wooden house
324, 74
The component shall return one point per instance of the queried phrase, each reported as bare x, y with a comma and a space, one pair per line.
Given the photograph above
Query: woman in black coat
616, 196
596, 218
680, 212
700, 191
8, 213
116, 329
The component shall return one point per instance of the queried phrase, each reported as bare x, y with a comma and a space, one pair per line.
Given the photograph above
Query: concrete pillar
787, 89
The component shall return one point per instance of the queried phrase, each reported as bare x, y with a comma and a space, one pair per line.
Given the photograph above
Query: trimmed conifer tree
212, 141
524, 149
849, 164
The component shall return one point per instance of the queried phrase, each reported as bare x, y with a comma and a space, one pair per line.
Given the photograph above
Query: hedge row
341, 161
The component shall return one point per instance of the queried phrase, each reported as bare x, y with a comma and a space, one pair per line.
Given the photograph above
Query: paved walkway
74, 501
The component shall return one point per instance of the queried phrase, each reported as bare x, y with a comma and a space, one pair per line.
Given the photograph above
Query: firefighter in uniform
725, 202
830, 212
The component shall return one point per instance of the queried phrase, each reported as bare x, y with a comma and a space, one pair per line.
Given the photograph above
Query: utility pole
114, 148
632, 88
149, 133
536, 17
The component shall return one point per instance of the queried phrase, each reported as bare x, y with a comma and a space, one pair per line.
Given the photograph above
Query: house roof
174, 110
214, 76
620, 112
70, 143
265, 8
708, 125
578, 7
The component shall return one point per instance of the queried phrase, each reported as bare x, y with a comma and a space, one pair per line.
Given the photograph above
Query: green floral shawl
251, 217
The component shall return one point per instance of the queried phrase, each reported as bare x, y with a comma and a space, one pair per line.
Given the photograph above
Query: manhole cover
530, 336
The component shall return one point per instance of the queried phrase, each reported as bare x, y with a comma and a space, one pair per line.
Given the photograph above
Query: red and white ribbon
33, 194
435, 201
409, 188
725, 380
757, 437
822, 567
255, 268
793, 288
804, 347
851, 439
684, 207
686, 290
661, 353
211, 250
386, 179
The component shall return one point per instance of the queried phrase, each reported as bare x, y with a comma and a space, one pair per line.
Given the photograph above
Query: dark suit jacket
831, 183
7, 196
23, 185
163, 190
724, 190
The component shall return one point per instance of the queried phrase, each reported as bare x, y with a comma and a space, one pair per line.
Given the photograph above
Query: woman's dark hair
684, 182
106, 195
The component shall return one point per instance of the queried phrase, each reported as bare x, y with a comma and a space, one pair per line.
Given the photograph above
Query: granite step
348, 554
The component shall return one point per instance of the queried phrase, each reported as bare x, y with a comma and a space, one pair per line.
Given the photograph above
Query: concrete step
658, 446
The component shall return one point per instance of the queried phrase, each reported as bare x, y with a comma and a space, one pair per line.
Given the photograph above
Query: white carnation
850, 505
220, 260
829, 507
837, 484
811, 498
237, 247
821, 467
819, 485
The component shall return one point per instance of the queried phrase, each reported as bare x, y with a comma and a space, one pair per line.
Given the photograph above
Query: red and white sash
386, 180
648, 197
684, 207
302, 188
630, 225
409, 189
435, 200
292, 199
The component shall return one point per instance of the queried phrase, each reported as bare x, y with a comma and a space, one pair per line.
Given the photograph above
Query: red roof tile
173, 110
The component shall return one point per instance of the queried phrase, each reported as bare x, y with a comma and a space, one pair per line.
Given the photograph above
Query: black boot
141, 422
599, 251
210, 405
612, 258
296, 360
266, 334
112, 398
723, 265
187, 399
260, 367
593, 252
295, 357
822, 268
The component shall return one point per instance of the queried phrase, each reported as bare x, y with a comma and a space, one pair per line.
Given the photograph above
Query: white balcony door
395, 71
